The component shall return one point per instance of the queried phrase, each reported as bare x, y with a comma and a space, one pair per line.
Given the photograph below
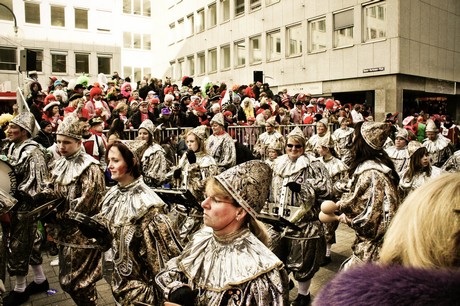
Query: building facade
394, 55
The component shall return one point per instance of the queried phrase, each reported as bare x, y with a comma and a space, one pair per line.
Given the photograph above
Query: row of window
251, 49
208, 17
59, 61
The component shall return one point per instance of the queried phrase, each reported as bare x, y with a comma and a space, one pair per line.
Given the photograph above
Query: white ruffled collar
434, 146
67, 170
285, 167
395, 153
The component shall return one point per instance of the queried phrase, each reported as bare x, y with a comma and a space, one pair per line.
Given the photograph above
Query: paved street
340, 252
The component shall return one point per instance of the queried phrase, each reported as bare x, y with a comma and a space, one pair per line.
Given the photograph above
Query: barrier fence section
246, 135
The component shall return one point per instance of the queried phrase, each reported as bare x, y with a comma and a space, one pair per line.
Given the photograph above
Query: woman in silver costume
343, 139
192, 173
227, 262
143, 238
372, 199
321, 132
338, 171
398, 153
153, 162
419, 170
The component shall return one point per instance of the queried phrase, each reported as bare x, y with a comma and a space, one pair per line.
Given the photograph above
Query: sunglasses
290, 145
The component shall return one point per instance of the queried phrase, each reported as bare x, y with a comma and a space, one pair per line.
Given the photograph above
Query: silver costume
154, 165
222, 149
264, 140
400, 158
234, 270
407, 185
453, 163
343, 139
440, 150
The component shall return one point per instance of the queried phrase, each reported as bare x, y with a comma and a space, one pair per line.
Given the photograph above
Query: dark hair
151, 138
415, 163
363, 152
132, 161
117, 127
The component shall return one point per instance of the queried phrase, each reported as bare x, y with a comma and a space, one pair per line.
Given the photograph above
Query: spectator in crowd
141, 115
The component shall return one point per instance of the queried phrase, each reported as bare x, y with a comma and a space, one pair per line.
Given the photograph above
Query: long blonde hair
255, 226
426, 228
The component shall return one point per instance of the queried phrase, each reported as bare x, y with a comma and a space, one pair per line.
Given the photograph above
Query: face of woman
143, 134
55, 110
220, 214
117, 165
322, 151
400, 143
320, 129
294, 149
192, 143
112, 138
425, 160
67, 146
272, 154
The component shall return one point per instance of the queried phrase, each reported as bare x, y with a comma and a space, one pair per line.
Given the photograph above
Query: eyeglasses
290, 145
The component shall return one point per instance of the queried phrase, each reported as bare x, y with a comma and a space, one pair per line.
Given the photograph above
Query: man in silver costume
78, 178
299, 183
29, 164
439, 147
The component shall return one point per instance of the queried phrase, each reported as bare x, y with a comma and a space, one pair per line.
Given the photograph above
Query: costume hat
137, 147
27, 121
403, 133
148, 125
375, 134
431, 126
70, 126
200, 131
271, 121
326, 141
413, 146
248, 184
218, 118
297, 132
50, 105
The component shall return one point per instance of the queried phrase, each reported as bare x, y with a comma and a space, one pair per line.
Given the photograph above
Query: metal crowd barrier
246, 135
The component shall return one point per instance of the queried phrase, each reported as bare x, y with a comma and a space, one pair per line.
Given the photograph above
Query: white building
390, 54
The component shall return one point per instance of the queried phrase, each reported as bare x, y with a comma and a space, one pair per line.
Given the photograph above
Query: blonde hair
255, 226
201, 142
426, 227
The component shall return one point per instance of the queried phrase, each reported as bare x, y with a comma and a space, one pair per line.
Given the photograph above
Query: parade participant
419, 263
299, 182
220, 145
143, 240
338, 171
193, 171
265, 139
398, 153
92, 139
274, 150
29, 164
227, 262
322, 127
343, 139
439, 147
453, 163
372, 200
419, 169
78, 178
153, 162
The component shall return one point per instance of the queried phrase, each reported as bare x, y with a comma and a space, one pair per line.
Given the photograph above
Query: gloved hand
184, 296
191, 157
295, 187
177, 173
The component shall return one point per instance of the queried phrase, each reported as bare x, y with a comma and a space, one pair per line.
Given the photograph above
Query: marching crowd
269, 213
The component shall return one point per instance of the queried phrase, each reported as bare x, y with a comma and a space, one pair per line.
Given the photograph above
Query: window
201, 63
239, 7
8, 59
172, 33
81, 63
39, 60
136, 41
200, 21
58, 62
180, 67
137, 74
318, 36
137, 7
190, 25
240, 53
212, 59
273, 45
147, 42
375, 21
180, 30
81, 19
126, 40
255, 50
103, 21
255, 4
343, 29
225, 57
294, 40
191, 65
225, 10
57, 16
4, 14
212, 15
104, 63
32, 12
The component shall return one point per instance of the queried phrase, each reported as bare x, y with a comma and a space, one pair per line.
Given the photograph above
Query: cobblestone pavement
340, 251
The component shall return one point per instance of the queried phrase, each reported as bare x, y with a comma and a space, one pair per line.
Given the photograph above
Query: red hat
95, 91
320, 100
228, 113
49, 98
155, 100
329, 104
301, 97
201, 109
168, 90
53, 78
252, 119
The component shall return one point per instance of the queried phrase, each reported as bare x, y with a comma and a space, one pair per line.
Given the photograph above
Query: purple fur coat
391, 285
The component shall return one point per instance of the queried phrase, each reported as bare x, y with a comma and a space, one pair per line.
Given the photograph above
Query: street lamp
14, 17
